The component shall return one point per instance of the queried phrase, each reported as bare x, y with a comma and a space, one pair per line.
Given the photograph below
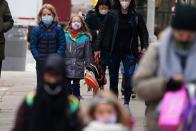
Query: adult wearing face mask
118, 42
169, 63
49, 108
6, 23
95, 17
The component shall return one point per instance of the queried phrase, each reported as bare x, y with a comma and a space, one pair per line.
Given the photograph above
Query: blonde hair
84, 27
50, 8
122, 115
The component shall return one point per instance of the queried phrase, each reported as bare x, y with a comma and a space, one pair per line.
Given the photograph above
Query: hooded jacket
94, 19
78, 52
6, 23
41, 111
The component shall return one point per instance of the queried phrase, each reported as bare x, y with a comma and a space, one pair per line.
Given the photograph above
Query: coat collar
52, 26
78, 35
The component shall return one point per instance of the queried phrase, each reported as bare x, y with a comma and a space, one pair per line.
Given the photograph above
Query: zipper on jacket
70, 48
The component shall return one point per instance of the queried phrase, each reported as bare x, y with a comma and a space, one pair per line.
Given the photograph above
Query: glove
173, 85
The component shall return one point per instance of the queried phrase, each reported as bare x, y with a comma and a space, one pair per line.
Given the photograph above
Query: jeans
73, 86
0, 67
129, 63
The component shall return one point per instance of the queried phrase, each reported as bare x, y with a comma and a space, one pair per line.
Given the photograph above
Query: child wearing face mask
106, 114
46, 38
78, 52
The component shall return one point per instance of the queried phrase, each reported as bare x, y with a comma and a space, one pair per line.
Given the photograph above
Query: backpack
73, 102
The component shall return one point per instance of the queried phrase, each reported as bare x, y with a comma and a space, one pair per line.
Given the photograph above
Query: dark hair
103, 2
117, 5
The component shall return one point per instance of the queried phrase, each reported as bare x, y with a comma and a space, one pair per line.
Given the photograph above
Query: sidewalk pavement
15, 85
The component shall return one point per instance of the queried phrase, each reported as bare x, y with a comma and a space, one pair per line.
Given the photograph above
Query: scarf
170, 62
74, 33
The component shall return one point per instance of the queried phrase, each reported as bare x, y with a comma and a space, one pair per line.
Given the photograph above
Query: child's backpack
95, 75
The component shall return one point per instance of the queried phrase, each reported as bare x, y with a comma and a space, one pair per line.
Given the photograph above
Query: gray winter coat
78, 52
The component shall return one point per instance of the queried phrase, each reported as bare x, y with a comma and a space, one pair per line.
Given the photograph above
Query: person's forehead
46, 10
76, 18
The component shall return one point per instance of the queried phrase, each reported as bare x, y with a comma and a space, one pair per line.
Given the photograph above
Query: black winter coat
106, 39
94, 20
6, 22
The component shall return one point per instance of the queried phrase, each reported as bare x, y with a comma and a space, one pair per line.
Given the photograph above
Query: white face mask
103, 12
125, 4
107, 120
76, 25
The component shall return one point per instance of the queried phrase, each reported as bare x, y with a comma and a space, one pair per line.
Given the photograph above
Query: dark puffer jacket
47, 40
6, 22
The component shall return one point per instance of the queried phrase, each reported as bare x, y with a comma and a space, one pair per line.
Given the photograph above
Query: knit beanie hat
185, 18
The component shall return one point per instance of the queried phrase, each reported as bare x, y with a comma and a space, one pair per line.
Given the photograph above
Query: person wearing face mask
95, 17
118, 41
94, 20
169, 63
106, 114
46, 38
78, 53
50, 108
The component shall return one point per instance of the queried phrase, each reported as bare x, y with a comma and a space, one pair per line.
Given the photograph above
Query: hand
141, 53
97, 32
97, 55
175, 83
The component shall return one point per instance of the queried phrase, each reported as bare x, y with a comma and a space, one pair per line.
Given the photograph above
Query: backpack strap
74, 104
30, 98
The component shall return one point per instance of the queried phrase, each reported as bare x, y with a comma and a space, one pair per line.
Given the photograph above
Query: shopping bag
172, 108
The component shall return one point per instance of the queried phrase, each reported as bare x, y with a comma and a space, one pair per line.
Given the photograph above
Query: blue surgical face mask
47, 20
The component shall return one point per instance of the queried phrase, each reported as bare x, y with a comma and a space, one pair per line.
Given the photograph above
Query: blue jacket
78, 52
47, 40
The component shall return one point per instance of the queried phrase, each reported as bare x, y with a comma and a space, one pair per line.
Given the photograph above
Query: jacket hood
56, 64
103, 2
96, 126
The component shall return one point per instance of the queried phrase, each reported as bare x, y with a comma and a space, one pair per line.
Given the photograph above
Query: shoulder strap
30, 98
74, 104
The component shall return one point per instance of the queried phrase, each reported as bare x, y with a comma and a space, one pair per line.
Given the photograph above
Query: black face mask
185, 45
53, 89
